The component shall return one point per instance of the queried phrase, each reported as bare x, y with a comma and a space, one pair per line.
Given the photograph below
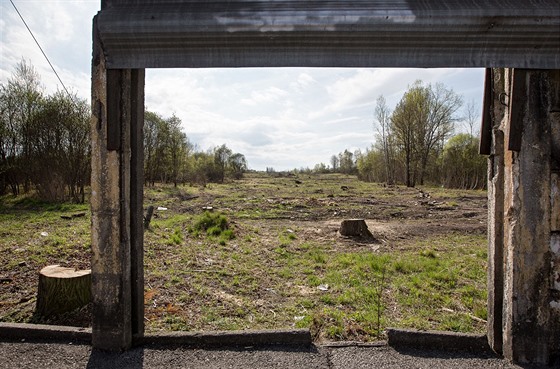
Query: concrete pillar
521, 222
116, 203
495, 273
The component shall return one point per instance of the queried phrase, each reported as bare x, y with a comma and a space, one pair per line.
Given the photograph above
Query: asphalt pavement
68, 355
33, 346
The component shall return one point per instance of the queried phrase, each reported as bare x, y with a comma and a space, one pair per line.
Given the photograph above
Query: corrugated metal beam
431, 33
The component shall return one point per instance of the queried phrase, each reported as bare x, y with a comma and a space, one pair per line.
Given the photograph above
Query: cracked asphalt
71, 355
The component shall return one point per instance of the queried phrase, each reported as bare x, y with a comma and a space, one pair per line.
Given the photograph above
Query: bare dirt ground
318, 204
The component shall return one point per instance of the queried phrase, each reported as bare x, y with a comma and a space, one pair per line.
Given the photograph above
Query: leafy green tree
155, 151
44, 140
462, 166
222, 155
371, 165
170, 157
204, 168
404, 125
237, 165
421, 122
166, 150
179, 149
347, 165
321, 168
20, 98
60, 150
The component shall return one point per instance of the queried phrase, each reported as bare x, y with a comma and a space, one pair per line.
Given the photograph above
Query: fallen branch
476, 318
473, 317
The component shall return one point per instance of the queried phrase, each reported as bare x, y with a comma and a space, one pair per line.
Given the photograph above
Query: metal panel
516, 104
114, 110
430, 33
485, 146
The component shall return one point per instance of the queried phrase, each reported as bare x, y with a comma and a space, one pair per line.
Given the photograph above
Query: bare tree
383, 117
335, 163
472, 115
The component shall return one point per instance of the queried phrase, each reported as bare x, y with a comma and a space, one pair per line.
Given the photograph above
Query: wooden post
116, 203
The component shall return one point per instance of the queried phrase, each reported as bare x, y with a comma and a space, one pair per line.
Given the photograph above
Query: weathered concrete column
495, 113
521, 222
116, 203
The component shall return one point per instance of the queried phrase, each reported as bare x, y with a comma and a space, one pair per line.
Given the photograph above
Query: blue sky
283, 118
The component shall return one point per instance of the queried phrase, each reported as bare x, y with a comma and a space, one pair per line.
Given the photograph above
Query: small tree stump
148, 217
62, 289
354, 228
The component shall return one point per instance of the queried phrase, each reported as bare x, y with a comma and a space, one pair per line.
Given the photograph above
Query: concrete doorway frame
131, 35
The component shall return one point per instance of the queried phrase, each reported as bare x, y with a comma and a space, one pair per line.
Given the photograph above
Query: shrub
214, 225
210, 220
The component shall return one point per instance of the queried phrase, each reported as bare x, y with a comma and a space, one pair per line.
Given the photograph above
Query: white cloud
283, 117
269, 95
63, 30
302, 82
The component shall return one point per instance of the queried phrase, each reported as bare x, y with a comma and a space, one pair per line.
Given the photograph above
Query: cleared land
282, 262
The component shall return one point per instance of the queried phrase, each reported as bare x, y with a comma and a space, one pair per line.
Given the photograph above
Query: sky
282, 118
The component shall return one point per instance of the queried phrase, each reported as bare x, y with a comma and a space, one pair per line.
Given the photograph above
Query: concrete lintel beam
262, 33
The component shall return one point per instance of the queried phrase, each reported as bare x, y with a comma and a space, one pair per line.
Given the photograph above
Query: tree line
169, 156
45, 144
415, 144
44, 139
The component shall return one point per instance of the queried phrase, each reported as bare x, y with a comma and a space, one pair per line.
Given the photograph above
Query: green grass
214, 225
421, 285
267, 257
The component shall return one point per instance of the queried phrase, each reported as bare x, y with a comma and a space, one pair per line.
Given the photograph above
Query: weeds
215, 225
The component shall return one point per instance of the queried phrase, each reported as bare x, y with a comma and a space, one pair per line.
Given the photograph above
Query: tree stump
354, 228
62, 289
148, 217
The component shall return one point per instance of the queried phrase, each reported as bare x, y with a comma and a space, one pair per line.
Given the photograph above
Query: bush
214, 225
210, 220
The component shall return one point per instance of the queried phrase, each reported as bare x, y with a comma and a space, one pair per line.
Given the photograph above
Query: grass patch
214, 225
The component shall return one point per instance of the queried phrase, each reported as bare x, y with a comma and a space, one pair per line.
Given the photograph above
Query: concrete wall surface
523, 216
